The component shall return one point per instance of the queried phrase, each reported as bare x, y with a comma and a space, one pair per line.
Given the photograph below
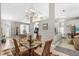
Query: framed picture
45, 26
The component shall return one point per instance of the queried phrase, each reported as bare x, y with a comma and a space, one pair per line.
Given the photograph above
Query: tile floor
65, 44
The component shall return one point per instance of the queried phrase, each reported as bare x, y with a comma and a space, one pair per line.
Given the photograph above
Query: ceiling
16, 11
66, 10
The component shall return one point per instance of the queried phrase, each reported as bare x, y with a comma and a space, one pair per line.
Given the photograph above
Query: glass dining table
30, 45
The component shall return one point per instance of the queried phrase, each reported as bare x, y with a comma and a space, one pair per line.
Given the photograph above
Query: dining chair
23, 39
19, 51
37, 37
45, 51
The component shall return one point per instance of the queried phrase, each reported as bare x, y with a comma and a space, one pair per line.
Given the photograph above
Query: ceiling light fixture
31, 13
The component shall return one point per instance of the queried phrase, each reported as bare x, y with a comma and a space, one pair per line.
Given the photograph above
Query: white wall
13, 25
48, 34
0, 26
0, 22
71, 22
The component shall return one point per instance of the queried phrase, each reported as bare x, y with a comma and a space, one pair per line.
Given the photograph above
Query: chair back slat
38, 37
17, 50
46, 50
22, 39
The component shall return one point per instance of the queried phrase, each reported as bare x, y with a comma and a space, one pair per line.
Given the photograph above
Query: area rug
67, 51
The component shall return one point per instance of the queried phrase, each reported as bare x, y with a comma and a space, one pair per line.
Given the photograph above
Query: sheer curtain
6, 28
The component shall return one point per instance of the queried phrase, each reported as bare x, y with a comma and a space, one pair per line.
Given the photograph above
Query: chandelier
31, 14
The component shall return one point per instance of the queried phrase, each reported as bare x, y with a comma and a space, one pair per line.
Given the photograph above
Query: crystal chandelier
31, 14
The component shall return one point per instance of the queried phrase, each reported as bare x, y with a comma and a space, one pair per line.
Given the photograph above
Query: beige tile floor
57, 52
65, 44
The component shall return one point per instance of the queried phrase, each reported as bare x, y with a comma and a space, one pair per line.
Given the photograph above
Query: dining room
38, 29
25, 29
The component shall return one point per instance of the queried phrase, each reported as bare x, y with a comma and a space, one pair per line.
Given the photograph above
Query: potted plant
3, 39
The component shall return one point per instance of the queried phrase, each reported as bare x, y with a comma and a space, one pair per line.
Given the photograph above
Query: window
6, 28
62, 28
24, 29
36, 25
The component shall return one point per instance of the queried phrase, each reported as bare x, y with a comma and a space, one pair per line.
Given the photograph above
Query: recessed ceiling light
63, 10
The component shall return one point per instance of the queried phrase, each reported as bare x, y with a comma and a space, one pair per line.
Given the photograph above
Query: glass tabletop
32, 45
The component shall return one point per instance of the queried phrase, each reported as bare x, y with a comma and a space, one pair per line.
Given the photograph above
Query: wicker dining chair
20, 51
44, 51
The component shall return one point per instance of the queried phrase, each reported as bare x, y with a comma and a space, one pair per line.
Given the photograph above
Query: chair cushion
39, 51
23, 40
22, 49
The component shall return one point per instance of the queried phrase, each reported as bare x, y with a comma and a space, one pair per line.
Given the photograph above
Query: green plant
3, 39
